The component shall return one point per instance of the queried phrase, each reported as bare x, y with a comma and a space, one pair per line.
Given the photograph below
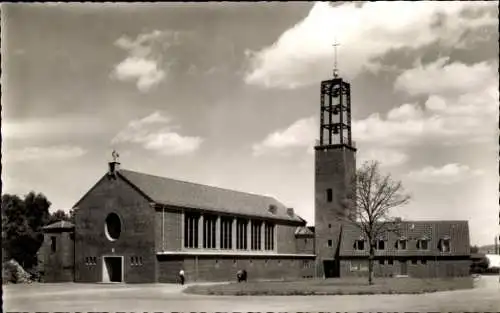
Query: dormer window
380, 244
272, 209
423, 244
401, 244
444, 245
359, 244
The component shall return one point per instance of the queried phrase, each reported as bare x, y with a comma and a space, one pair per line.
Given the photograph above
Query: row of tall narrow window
90, 260
401, 244
191, 223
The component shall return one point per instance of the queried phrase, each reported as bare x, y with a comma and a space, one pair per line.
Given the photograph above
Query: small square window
381, 261
414, 261
53, 244
390, 261
330, 243
329, 195
423, 262
329, 225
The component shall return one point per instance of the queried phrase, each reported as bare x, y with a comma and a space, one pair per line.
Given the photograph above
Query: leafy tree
474, 249
61, 215
22, 222
368, 205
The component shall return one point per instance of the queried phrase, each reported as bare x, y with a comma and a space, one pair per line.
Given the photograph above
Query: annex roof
304, 231
167, 191
59, 225
434, 231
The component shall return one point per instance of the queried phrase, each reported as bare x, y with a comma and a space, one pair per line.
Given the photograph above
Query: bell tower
335, 166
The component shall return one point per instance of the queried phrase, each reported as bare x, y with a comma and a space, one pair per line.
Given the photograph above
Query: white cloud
51, 126
51, 153
144, 63
300, 134
155, 132
145, 72
448, 174
458, 110
304, 53
386, 157
438, 78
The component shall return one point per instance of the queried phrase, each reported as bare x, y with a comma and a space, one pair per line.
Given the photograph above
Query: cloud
304, 53
438, 78
299, 134
458, 109
448, 174
144, 63
53, 153
145, 72
51, 126
386, 157
155, 132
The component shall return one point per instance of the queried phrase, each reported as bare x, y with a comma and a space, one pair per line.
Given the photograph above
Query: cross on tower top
115, 156
335, 69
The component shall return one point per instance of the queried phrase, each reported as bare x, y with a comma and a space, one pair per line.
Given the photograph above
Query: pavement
71, 297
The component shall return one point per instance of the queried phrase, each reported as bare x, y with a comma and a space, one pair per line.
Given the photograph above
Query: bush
12, 272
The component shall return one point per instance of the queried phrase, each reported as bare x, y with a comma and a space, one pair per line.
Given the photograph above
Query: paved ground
169, 298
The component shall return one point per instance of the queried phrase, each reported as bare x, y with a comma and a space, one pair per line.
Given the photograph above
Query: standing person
181, 276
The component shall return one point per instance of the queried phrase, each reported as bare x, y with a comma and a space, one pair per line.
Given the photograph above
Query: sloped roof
434, 231
494, 260
167, 191
60, 225
303, 231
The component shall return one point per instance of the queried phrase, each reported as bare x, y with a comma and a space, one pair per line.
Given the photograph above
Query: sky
227, 94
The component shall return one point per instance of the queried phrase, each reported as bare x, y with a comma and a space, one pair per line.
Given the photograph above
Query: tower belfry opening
335, 119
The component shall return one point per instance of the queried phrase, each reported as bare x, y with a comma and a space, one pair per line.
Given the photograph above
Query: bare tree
368, 205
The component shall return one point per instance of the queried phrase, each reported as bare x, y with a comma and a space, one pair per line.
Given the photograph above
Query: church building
139, 228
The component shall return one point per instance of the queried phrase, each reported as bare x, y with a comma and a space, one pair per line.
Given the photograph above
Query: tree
474, 249
368, 205
22, 222
61, 215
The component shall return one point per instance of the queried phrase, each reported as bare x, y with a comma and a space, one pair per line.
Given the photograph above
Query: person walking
181, 276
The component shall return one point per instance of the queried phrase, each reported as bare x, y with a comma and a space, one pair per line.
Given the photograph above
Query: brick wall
432, 268
285, 235
304, 244
168, 238
137, 238
224, 268
333, 169
58, 265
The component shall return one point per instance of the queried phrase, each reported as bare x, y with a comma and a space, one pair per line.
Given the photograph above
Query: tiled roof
434, 231
303, 231
60, 225
173, 192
